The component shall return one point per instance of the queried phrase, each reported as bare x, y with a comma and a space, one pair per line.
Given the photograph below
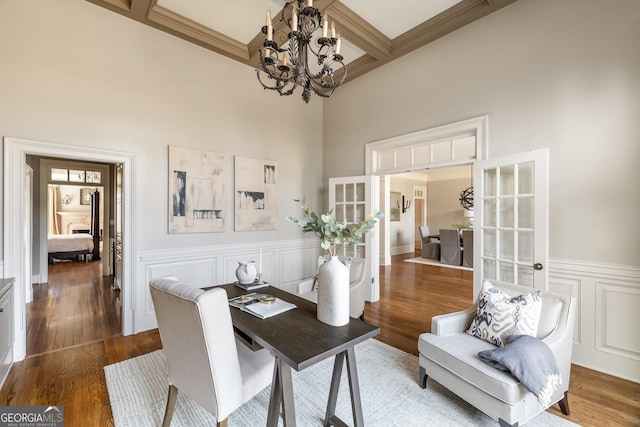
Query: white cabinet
6, 327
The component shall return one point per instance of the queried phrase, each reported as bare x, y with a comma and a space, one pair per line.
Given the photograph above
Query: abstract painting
196, 191
256, 195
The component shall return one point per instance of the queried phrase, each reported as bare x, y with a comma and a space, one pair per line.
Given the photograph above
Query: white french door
511, 229
352, 199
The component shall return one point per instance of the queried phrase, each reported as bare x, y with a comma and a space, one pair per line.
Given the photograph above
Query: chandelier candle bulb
325, 25
309, 3
294, 20
269, 26
333, 29
284, 59
338, 42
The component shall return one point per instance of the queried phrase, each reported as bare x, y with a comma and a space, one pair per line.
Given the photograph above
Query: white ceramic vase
333, 293
246, 272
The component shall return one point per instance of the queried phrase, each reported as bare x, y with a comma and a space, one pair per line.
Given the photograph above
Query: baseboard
403, 249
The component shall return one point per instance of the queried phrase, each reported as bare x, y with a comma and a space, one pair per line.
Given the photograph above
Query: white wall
562, 74
558, 74
77, 74
443, 205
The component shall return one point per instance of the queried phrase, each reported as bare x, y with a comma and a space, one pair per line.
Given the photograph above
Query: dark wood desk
297, 339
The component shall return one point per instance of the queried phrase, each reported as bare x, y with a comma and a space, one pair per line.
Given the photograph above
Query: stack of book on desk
261, 305
251, 286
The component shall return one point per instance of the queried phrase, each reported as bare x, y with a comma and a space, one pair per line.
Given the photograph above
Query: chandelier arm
278, 85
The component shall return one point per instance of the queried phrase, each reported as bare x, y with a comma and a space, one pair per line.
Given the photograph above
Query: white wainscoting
608, 296
284, 264
606, 337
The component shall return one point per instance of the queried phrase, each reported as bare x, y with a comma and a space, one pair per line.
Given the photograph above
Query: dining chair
204, 360
467, 251
430, 249
450, 248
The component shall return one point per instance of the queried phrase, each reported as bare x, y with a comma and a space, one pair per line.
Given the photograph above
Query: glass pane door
351, 200
512, 217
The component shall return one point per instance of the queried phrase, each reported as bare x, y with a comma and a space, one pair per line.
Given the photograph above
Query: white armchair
203, 358
450, 356
307, 290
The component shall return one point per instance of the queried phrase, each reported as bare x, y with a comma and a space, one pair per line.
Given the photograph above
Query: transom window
76, 175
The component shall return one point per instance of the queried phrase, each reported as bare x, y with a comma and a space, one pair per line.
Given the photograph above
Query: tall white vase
333, 292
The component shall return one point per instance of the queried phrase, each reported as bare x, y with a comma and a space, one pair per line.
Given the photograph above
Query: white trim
15, 151
595, 269
403, 249
478, 127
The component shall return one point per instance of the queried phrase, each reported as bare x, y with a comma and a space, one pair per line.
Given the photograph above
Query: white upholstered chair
307, 290
203, 358
449, 356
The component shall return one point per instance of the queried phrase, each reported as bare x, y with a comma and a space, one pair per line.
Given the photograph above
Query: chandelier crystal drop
286, 65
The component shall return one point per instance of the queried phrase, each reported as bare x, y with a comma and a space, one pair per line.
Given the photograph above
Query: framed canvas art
85, 195
196, 191
256, 194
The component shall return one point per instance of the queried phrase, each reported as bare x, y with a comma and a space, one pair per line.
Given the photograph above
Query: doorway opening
15, 224
74, 299
430, 198
455, 144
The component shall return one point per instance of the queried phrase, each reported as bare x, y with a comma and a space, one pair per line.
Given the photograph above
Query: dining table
298, 340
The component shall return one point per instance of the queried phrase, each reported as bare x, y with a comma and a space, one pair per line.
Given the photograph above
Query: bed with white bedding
69, 246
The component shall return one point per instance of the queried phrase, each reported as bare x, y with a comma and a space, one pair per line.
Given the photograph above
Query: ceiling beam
123, 7
378, 47
360, 32
139, 9
194, 32
440, 25
463, 13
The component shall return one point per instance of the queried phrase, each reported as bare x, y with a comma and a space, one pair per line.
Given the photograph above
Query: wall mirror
394, 205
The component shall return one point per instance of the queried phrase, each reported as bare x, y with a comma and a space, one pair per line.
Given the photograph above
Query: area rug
388, 383
420, 260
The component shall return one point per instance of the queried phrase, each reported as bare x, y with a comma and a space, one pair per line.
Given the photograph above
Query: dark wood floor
76, 306
410, 295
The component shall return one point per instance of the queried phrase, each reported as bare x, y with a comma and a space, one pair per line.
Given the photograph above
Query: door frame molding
15, 152
477, 126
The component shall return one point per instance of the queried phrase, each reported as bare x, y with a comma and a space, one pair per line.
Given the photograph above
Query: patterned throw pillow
500, 315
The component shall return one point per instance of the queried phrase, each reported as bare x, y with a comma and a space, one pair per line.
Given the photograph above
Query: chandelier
288, 67
466, 199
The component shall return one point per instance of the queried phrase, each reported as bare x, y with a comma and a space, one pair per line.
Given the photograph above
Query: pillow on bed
500, 315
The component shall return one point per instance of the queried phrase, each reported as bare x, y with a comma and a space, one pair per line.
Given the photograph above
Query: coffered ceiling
373, 32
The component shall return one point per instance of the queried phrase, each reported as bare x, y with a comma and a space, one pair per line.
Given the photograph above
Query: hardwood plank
76, 306
410, 295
